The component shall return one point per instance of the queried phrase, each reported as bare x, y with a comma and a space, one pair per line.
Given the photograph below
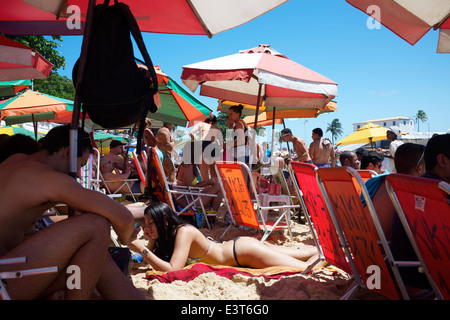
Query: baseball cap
114, 143
395, 129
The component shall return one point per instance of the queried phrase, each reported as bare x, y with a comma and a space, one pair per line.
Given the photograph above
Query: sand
325, 283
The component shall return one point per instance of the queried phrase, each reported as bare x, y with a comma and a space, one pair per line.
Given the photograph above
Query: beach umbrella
196, 17
31, 106
368, 133
267, 118
103, 139
207, 17
19, 62
260, 74
411, 20
10, 88
177, 106
12, 130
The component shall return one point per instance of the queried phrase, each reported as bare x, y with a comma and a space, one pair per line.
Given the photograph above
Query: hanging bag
114, 91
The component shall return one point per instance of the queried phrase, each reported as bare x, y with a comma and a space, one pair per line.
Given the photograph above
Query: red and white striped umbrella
19, 62
262, 73
168, 16
411, 19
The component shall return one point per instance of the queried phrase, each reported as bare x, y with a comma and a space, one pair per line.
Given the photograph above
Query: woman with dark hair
172, 244
239, 146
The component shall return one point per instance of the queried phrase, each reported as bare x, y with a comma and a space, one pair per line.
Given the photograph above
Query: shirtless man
116, 172
299, 145
164, 139
31, 184
166, 144
321, 150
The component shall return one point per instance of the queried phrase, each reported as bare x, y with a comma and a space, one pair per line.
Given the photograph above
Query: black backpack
114, 91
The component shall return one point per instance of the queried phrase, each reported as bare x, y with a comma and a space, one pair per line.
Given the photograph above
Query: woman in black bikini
172, 244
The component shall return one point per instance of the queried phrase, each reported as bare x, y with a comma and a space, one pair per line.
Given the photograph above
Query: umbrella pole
35, 127
257, 105
273, 135
77, 104
287, 142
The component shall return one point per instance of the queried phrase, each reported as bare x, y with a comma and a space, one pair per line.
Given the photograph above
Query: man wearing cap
392, 135
114, 169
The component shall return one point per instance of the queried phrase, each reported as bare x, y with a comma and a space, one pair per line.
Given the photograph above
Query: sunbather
31, 184
172, 244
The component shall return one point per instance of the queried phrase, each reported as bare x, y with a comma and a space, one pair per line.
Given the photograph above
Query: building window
384, 124
404, 122
393, 123
358, 126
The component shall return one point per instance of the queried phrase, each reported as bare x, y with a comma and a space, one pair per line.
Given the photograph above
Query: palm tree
421, 116
335, 128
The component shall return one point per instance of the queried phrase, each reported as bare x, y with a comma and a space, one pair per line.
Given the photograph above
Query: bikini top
195, 260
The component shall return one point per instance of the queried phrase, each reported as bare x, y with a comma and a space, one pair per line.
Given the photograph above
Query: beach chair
240, 204
99, 183
280, 179
159, 189
324, 230
359, 228
366, 174
19, 274
423, 208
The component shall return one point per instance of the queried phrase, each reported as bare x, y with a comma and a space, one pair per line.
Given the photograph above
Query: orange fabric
238, 195
326, 231
357, 227
156, 179
427, 210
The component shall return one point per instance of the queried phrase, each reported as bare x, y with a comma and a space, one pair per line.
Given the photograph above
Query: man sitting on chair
116, 171
437, 162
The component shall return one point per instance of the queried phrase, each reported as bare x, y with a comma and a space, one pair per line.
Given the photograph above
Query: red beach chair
424, 210
343, 201
324, 231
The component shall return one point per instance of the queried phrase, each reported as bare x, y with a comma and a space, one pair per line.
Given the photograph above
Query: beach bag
114, 91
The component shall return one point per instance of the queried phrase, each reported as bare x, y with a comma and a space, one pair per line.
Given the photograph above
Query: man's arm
62, 188
312, 150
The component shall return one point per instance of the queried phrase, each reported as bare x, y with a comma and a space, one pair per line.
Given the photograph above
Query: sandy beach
325, 283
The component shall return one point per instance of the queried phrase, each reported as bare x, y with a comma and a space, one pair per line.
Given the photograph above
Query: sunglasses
284, 135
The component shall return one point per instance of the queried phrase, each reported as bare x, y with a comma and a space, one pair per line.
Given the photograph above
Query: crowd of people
35, 177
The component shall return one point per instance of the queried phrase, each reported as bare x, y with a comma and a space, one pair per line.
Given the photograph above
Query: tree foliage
420, 116
335, 127
56, 85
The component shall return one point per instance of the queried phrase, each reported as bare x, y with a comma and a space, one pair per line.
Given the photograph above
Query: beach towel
192, 271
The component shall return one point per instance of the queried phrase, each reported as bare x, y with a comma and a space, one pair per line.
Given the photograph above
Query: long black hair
167, 224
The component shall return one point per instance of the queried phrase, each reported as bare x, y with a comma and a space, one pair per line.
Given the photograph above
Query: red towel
193, 271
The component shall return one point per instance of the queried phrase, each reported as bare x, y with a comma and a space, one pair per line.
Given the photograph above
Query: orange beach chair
240, 204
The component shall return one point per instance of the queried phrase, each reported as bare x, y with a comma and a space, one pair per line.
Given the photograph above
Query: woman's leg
215, 202
253, 253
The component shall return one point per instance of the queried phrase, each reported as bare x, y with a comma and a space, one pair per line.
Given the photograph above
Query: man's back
321, 151
24, 195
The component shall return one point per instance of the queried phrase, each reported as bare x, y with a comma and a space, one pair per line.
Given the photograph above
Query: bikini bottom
234, 251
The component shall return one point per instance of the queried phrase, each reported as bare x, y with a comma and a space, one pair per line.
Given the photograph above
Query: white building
406, 124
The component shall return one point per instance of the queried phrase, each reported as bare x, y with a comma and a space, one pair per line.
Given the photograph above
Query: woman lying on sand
172, 244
